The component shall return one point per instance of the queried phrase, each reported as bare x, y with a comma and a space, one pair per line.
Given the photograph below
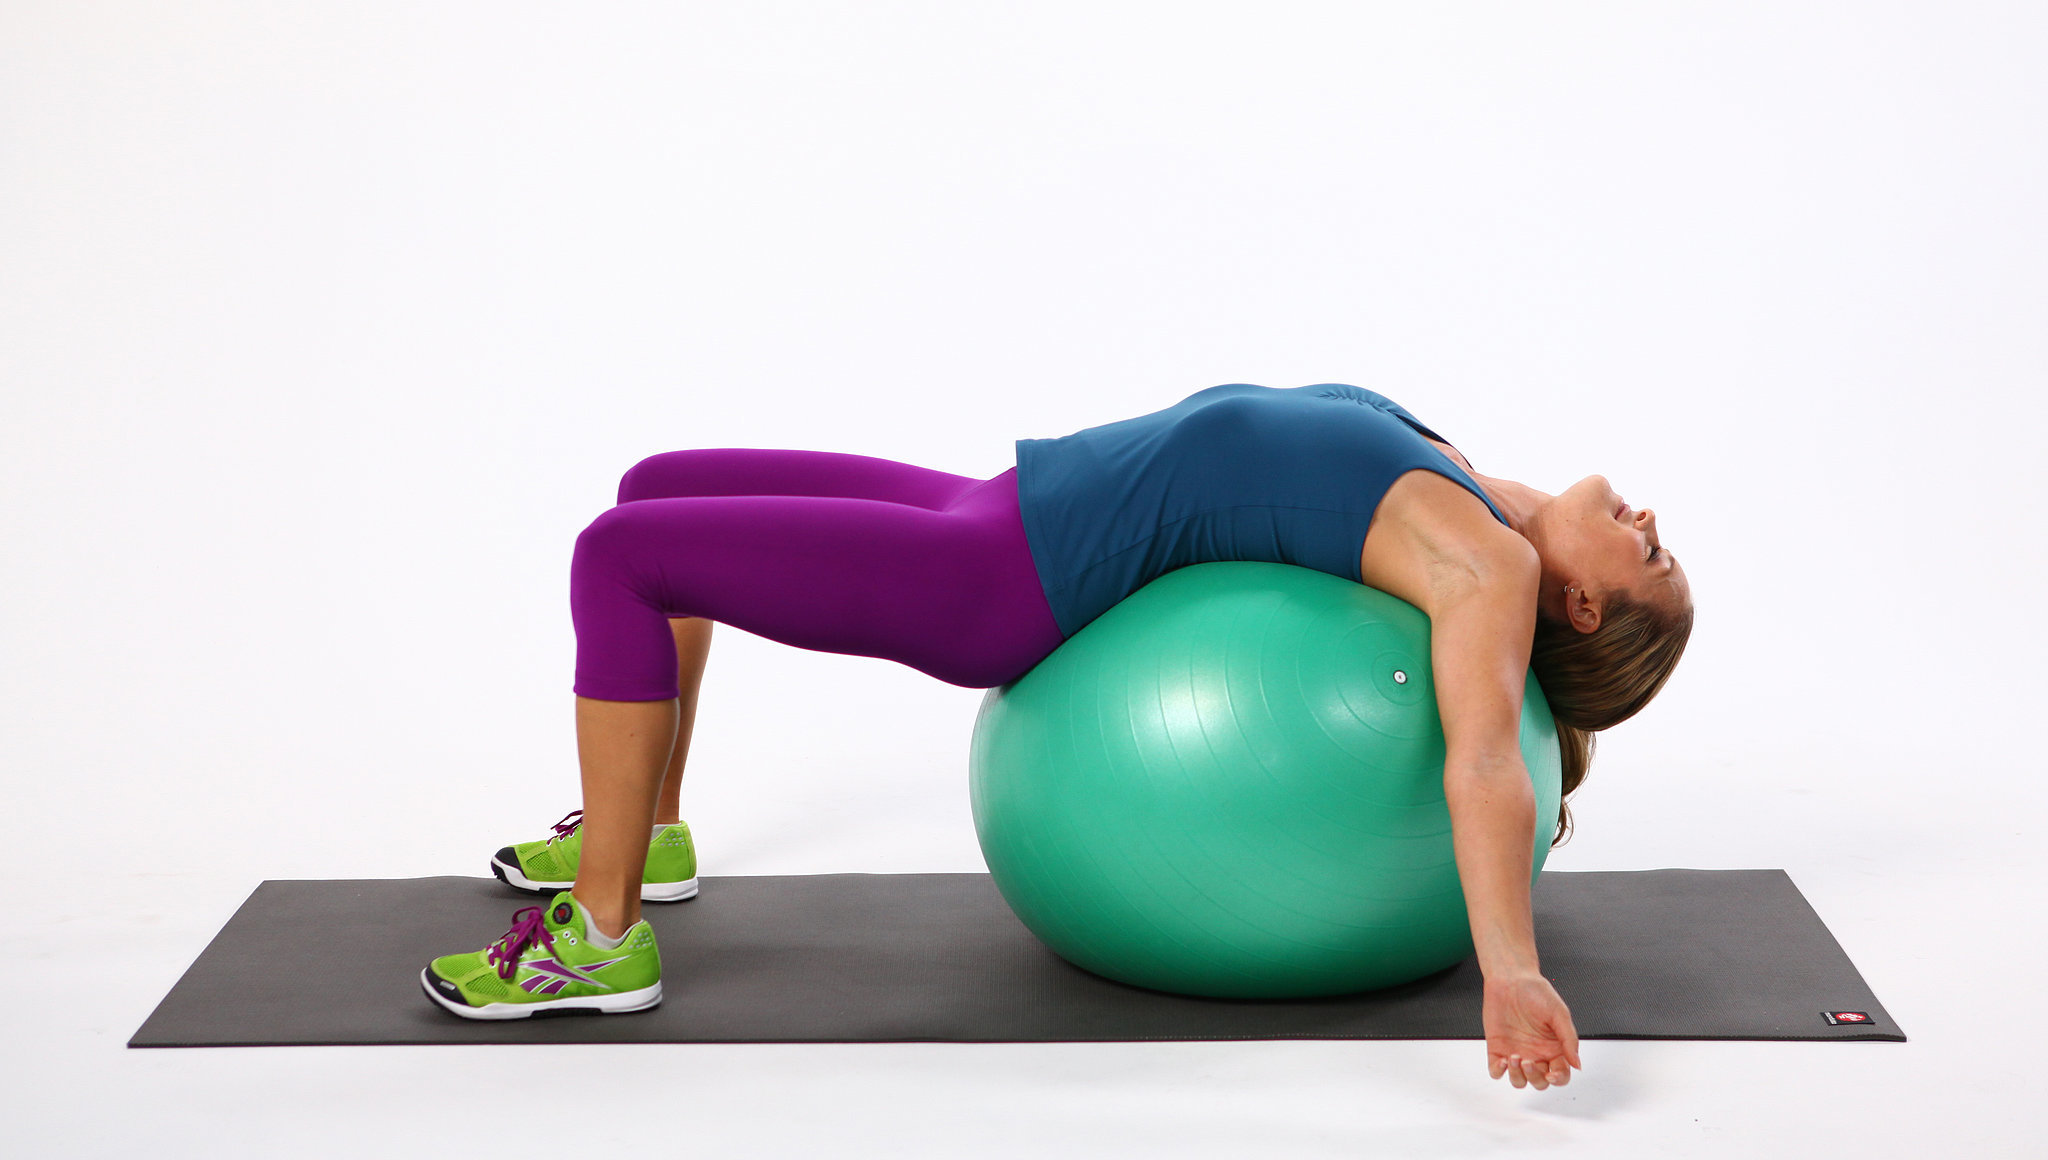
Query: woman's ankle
613, 920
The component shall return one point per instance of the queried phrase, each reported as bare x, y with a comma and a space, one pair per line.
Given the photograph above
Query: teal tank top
1235, 472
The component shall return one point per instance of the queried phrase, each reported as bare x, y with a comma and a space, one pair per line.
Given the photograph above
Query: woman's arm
1482, 618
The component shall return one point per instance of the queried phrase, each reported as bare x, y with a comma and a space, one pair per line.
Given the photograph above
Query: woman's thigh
730, 471
952, 593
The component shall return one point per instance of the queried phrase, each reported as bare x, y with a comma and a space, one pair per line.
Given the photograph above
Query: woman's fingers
1528, 1072
1540, 1074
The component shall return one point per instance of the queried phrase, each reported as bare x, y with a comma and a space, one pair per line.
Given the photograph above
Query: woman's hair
1596, 680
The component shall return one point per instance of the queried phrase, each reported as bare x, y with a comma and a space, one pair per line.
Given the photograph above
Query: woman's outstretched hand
1529, 1033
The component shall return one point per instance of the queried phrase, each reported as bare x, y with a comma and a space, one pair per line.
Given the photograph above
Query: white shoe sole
622, 1003
649, 891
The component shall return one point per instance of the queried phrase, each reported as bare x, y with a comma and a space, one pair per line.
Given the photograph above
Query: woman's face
1600, 545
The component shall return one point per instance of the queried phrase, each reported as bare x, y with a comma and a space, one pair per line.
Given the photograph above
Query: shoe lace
528, 928
567, 826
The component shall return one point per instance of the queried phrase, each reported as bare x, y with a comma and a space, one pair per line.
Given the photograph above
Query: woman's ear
1581, 609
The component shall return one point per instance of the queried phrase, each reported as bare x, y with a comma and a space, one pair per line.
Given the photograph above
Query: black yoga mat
1657, 954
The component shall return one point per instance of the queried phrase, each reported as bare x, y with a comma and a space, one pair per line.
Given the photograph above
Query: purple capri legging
836, 553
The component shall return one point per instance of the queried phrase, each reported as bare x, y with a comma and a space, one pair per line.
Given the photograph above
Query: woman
975, 581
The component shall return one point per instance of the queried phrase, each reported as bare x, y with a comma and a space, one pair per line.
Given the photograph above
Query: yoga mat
1656, 954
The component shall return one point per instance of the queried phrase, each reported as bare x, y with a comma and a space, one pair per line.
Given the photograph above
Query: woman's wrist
1510, 976
1506, 942
1508, 968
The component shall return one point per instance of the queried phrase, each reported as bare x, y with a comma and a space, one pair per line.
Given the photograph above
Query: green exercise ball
1231, 784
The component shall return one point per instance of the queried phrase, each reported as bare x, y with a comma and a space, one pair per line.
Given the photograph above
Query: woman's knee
617, 569
641, 480
610, 541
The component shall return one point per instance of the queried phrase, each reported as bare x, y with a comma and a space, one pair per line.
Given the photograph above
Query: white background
324, 328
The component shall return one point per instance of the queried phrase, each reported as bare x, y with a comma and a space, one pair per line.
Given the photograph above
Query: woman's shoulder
1430, 532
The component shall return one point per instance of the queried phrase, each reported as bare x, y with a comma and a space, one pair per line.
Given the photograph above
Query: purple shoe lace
529, 926
567, 826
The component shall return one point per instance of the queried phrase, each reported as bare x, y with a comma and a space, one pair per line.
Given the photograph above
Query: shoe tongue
565, 913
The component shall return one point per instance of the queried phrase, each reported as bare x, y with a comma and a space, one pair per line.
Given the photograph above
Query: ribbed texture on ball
1221, 787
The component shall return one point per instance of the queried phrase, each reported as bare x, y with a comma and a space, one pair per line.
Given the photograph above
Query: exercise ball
1231, 784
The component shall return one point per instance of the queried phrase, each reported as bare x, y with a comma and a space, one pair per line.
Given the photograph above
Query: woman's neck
1517, 501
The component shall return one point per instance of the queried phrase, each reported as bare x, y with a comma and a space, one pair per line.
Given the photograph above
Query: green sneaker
549, 865
546, 963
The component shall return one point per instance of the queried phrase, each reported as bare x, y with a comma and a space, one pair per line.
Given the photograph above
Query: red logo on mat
1836, 1018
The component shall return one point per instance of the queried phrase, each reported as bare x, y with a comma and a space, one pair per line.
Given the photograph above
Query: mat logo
550, 976
1838, 1018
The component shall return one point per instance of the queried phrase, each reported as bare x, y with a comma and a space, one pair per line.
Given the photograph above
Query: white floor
323, 330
